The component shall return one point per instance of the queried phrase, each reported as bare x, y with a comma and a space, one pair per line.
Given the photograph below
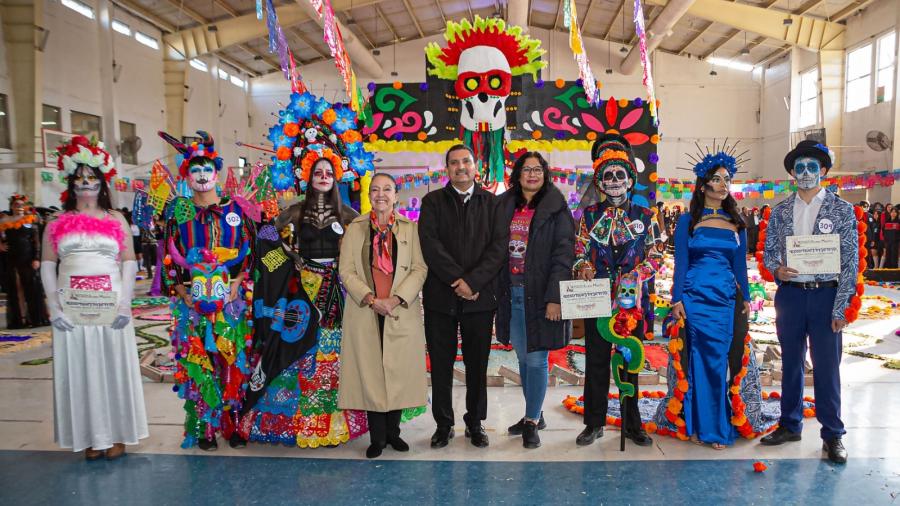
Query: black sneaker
208, 445
530, 437
518, 427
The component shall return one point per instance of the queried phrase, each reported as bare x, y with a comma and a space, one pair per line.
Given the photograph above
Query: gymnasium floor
34, 471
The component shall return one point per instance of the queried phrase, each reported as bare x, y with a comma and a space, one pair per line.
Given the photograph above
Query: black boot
530, 437
374, 450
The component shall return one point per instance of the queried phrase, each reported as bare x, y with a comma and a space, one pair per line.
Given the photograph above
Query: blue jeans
532, 366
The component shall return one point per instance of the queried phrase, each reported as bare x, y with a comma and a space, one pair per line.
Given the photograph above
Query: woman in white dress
97, 392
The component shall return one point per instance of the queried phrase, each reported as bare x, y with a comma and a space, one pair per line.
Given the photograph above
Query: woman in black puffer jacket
541, 238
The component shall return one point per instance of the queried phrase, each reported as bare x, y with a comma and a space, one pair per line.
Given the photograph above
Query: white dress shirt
467, 194
804, 221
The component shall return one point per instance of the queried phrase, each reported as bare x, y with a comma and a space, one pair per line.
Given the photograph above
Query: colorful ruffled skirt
299, 407
212, 368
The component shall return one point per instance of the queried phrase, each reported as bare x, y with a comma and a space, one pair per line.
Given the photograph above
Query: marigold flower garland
852, 311
18, 223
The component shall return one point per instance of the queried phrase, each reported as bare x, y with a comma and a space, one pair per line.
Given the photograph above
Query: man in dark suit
464, 254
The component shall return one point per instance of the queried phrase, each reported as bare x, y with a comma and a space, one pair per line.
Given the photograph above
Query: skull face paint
628, 294
322, 179
87, 183
808, 173
614, 183
483, 85
203, 176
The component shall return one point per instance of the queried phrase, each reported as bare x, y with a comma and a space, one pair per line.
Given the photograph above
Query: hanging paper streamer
259, 10
576, 43
278, 45
645, 59
335, 43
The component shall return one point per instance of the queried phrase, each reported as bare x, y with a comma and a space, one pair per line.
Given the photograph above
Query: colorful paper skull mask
209, 281
628, 295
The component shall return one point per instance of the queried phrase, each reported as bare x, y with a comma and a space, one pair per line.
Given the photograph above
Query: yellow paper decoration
365, 205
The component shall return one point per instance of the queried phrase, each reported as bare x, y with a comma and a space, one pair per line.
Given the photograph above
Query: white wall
71, 81
695, 105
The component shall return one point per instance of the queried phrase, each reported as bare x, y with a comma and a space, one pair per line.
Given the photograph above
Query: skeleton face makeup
322, 176
203, 176
808, 173
614, 183
87, 183
18, 207
718, 186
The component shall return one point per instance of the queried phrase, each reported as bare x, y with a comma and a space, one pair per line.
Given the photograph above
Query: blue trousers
532, 366
801, 315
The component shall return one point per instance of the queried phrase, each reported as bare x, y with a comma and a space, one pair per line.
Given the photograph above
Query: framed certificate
585, 299
90, 307
814, 254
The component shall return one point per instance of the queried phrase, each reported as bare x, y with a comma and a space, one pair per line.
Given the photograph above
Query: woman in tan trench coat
383, 346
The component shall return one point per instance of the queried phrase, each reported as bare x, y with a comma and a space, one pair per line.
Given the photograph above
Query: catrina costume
714, 388
617, 240
25, 297
299, 403
206, 247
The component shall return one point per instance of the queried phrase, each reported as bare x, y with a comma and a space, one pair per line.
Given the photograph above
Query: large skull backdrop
483, 86
481, 58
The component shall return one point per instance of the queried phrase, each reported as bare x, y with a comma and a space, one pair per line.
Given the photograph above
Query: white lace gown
97, 391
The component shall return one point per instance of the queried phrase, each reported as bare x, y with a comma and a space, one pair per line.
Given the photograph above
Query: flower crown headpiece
20, 198
614, 157
206, 148
722, 155
83, 151
308, 161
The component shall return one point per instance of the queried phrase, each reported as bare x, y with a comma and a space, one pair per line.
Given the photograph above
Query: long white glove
129, 271
48, 278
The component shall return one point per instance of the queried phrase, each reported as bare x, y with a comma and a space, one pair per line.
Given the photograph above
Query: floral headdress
83, 151
613, 157
206, 148
20, 198
309, 129
521, 51
723, 156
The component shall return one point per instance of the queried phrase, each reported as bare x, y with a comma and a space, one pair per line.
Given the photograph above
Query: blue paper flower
302, 104
714, 161
362, 162
346, 120
277, 138
321, 106
281, 179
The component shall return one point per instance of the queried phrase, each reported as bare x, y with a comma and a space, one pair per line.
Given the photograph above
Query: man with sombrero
811, 307
616, 238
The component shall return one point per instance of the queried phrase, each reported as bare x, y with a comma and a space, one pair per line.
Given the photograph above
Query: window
884, 68
146, 40
87, 125
121, 27
79, 7
199, 65
4, 124
859, 78
51, 117
809, 98
732, 64
235, 80
129, 142
223, 74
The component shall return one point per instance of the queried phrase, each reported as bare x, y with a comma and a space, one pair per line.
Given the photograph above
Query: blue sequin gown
710, 266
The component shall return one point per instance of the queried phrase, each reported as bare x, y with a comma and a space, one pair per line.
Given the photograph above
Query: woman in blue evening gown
710, 292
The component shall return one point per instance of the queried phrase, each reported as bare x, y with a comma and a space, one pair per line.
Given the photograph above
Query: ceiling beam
388, 23
412, 14
653, 12
808, 6
693, 39
555, 18
227, 8
138, 10
587, 12
299, 34
849, 10
612, 22
806, 32
469, 7
721, 42
362, 31
773, 55
441, 10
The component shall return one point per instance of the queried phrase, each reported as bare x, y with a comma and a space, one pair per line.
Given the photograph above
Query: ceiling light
609, 71
376, 52
212, 28
713, 72
394, 74
745, 51
787, 21
623, 50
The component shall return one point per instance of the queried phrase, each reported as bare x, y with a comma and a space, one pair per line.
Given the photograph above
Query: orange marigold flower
291, 129
283, 153
329, 116
351, 136
759, 467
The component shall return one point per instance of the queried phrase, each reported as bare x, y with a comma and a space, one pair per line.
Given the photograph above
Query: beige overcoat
373, 379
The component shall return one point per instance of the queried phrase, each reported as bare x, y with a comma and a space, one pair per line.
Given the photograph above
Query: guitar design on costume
289, 319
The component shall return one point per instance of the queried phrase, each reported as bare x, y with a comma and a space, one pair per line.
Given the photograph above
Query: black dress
25, 298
